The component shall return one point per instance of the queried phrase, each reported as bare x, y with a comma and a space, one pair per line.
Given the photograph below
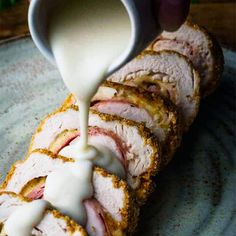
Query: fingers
172, 13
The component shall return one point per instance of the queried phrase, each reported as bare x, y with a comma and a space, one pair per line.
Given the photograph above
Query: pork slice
105, 225
137, 105
167, 73
126, 110
200, 47
159, 115
28, 177
53, 223
140, 147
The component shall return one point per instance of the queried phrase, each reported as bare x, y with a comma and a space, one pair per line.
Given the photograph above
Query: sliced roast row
111, 210
140, 116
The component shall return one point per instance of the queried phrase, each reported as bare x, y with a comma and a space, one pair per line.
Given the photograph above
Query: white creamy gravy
22, 221
65, 189
101, 157
86, 37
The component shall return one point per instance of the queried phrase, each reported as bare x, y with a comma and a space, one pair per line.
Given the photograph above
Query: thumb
171, 14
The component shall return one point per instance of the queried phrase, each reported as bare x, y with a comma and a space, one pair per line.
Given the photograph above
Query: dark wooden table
219, 19
218, 16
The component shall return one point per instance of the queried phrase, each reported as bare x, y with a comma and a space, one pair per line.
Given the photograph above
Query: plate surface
196, 193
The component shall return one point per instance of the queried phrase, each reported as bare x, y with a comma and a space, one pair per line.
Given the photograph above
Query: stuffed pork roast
53, 223
133, 118
159, 115
167, 73
200, 47
112, 211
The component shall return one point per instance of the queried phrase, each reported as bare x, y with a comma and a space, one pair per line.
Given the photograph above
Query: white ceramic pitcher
144, 27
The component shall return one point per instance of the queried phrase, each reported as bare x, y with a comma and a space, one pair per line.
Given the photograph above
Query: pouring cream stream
86, 37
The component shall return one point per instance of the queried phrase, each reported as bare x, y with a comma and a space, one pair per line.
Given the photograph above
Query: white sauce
86, 37
22, 221
102, 157
65, 189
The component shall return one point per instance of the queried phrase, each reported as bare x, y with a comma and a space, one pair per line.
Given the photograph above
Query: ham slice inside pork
97, 137
126, 110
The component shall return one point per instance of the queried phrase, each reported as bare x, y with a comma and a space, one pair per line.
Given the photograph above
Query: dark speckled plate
196, 193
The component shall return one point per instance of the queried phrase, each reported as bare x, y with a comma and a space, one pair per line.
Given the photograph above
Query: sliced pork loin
53, 223
111, 211
200, 47
167, 73
129, 141
159, 115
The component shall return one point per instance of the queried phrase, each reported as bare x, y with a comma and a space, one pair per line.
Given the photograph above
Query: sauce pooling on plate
86, 38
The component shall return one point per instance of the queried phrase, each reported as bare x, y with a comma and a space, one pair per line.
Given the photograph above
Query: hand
171, 14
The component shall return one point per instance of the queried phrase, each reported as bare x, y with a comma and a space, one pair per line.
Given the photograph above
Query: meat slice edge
200, 47
167, 73
53, 223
